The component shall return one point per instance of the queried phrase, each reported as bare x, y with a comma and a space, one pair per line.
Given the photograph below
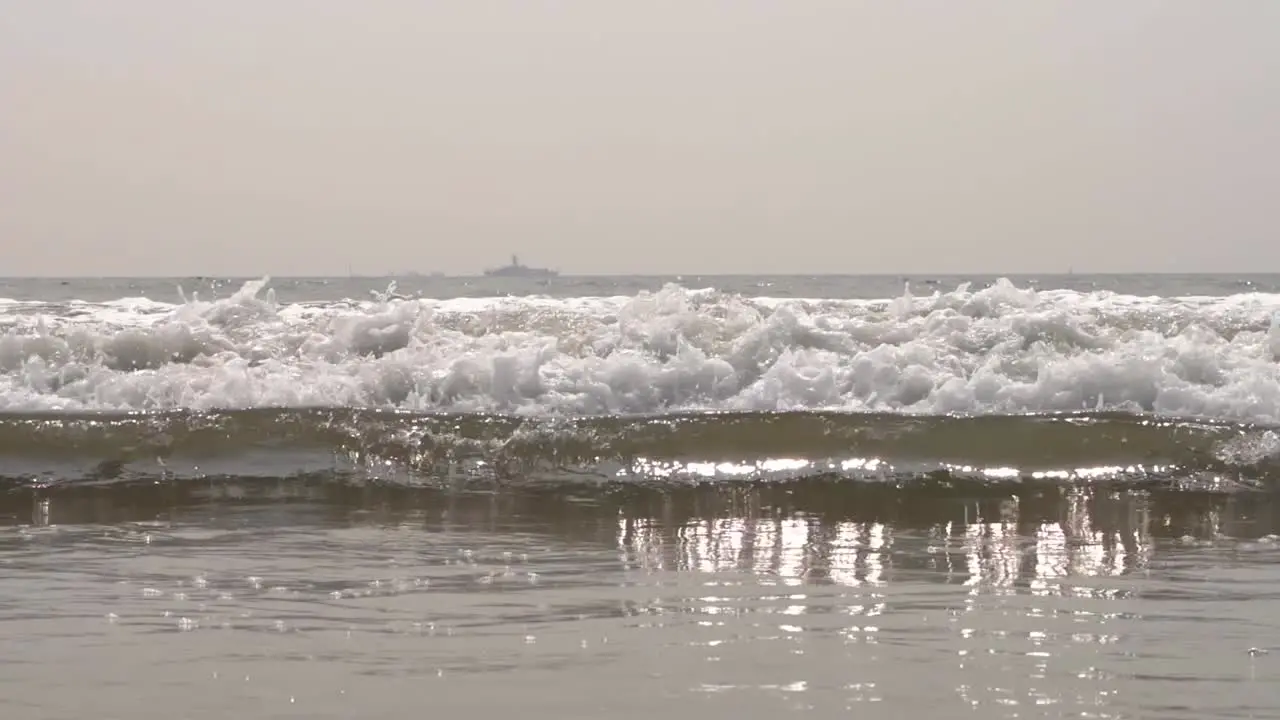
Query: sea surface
933, 497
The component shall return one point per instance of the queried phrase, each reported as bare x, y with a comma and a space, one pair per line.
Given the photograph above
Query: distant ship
515, 269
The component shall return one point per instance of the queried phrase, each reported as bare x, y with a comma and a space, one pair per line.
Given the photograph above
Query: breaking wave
677, 384
998, 350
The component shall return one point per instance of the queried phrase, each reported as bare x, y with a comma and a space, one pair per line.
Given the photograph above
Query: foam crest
995, 350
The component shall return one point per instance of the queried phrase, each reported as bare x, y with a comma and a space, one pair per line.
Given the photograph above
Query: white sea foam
1001, 349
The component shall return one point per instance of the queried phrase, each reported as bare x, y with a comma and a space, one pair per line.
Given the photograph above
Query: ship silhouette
515, 269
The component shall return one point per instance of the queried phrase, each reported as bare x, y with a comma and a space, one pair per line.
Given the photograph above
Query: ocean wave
45, 450
995, 350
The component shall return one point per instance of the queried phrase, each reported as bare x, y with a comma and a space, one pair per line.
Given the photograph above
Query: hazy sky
654, 136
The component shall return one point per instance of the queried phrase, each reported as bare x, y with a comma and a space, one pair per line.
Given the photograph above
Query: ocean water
937, 497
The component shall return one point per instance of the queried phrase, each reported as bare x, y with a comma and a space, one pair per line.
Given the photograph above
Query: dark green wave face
446, 449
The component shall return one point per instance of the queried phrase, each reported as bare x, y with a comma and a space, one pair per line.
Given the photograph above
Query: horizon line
447, 276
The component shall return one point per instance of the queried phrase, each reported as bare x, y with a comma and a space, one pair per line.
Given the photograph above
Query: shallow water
312, 598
